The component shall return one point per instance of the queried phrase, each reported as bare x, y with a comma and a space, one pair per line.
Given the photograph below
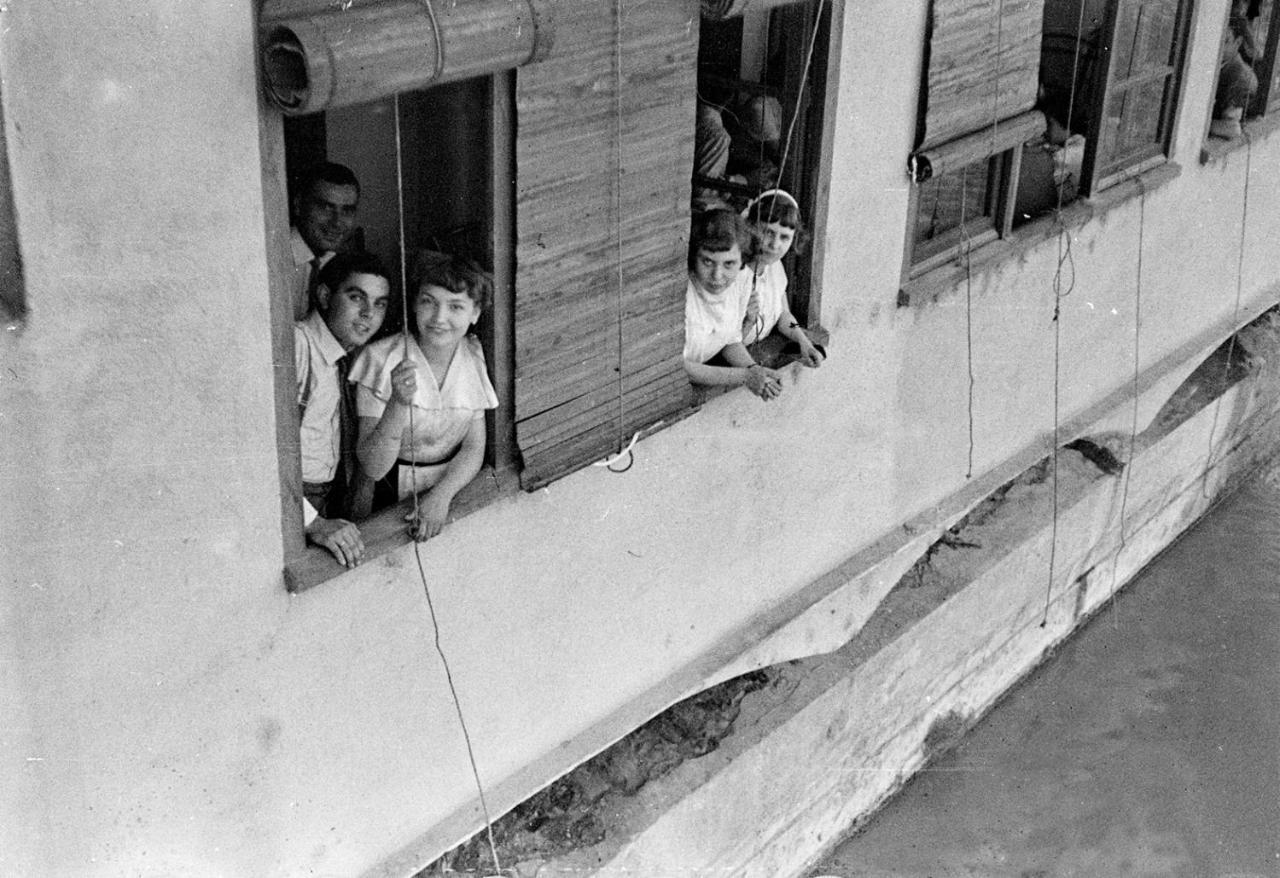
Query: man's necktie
348, 433
313, 281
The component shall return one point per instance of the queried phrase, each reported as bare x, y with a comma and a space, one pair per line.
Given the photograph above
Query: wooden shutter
982, 65
602, 219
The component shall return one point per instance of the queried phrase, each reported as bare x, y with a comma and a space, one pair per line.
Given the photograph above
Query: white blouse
711, 322
442, 413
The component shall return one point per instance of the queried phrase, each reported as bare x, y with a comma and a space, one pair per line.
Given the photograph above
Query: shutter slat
575, 203
553, 460
983, 65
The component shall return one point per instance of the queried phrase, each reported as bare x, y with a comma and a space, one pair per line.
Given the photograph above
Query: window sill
1215, 149
769, 352
386, 530
935, 284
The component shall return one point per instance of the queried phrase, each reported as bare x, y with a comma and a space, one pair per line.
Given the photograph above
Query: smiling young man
324, 215
352, 297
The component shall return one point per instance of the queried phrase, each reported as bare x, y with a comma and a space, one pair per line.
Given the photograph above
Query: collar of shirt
301, 252
329, 348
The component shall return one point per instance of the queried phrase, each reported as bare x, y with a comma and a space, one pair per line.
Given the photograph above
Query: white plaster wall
172, 711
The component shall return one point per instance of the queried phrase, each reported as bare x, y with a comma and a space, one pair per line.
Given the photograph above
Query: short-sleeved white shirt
315, 358
302, 268
771, 293
442, 414
711, 322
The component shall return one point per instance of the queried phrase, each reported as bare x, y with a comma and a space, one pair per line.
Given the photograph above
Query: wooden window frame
1107, 89
1004, 167
1267, 97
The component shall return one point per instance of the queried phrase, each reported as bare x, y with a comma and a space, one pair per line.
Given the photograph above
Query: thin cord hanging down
967, 244
1235, 313
804, 80
1064, 256
417, 554
1133, 424
626, 451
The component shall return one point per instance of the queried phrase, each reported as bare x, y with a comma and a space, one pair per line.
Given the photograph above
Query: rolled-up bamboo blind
956, 154
982, 65
719, 10
329, 53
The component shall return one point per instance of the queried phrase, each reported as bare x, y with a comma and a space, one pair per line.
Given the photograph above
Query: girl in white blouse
715, 306
421, 395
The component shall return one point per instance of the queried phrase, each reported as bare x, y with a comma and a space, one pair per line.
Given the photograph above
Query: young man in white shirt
352, 297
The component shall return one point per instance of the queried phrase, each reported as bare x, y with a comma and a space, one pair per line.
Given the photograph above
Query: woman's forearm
380, 439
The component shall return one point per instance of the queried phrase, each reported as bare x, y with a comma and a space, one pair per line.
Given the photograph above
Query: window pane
1132, 125
1144, 36
950, 201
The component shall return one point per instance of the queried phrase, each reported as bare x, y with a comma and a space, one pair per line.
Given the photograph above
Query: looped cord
417, 554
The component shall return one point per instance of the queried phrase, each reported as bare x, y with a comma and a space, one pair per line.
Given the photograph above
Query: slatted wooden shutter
604, 149
982, 66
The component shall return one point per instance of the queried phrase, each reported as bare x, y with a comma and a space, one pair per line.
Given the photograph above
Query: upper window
1025, 106
1245, 85
12, 297
1111, 73
977, 96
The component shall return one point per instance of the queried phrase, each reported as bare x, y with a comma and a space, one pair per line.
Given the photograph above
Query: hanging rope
624, 447
1064, 257
417, 554
804, 79
966, 243
1133, 424
1235, 312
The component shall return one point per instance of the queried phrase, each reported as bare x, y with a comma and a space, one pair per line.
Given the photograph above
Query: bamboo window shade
318, 54
605, 145
982, 66
956, 154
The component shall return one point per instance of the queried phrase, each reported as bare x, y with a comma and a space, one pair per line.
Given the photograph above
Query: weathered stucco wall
170, 710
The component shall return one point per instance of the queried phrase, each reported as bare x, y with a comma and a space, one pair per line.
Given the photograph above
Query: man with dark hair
352, 297
324, 214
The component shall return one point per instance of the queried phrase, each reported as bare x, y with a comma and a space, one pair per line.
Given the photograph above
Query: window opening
1245, 86
977, 93
1111, 73
751, 82
456, 142
959, 208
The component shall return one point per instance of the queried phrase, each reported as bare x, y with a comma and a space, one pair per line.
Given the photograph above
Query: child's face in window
775, 241
355, 311
442, 317
716, 270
